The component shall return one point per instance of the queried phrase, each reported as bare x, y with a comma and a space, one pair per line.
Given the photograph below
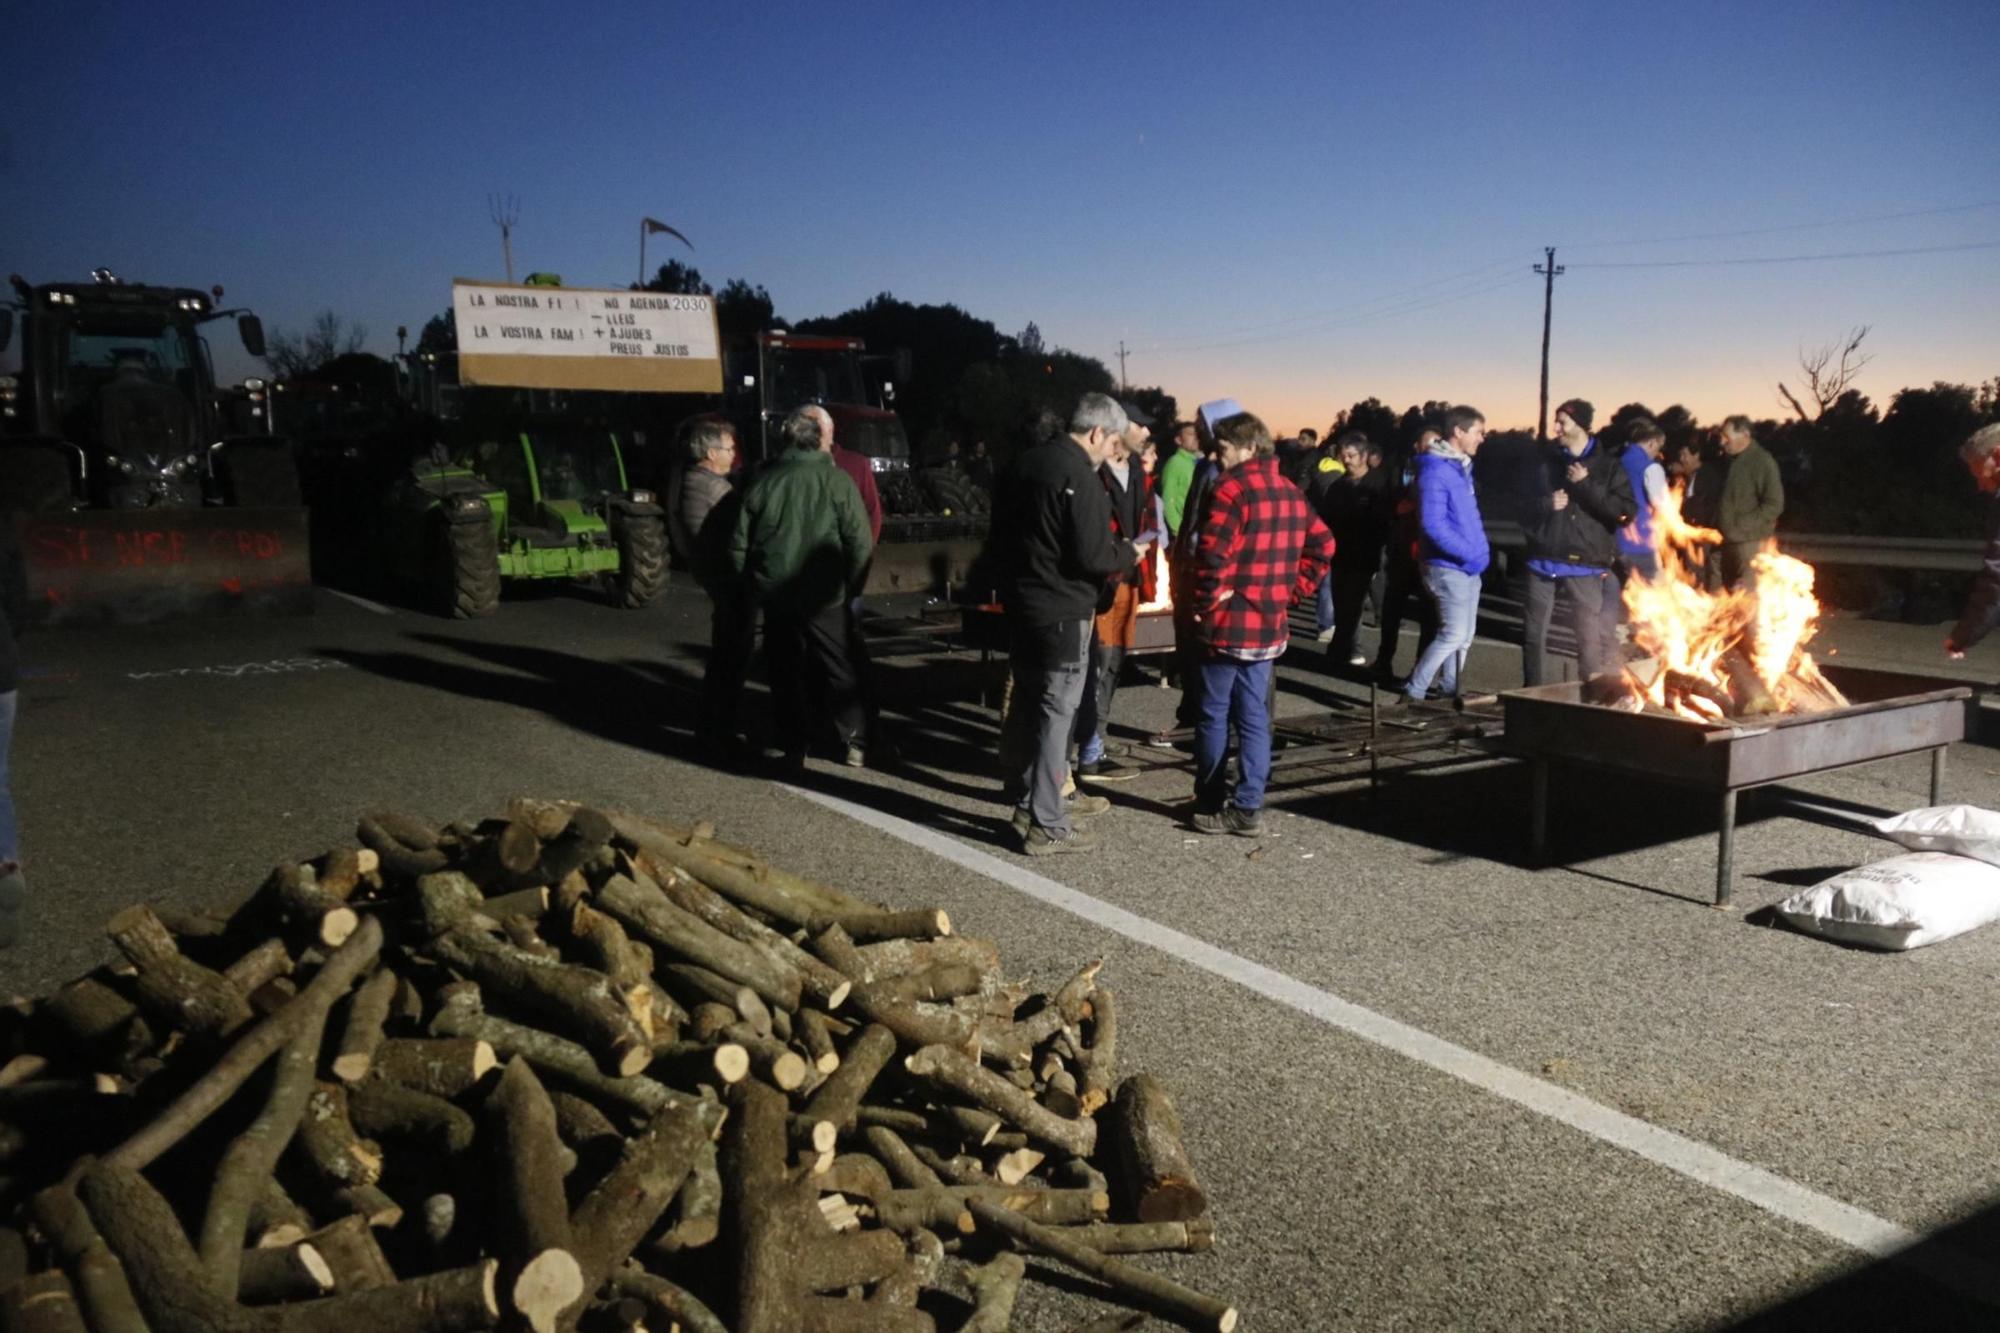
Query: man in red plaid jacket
1260, 548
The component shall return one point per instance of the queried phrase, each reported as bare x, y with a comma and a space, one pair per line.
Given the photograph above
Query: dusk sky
1297, 205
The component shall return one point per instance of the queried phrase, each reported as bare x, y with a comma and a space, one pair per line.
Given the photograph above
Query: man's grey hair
705, 435
1097, 411
1981, 442
801, 428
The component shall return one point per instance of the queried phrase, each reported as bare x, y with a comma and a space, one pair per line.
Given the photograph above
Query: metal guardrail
1952, 555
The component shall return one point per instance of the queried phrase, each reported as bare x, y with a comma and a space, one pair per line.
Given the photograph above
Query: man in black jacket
1054, 549
1572, 544
1356, 511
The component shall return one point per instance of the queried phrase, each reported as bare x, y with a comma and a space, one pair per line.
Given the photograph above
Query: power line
1792, 259
1792, 226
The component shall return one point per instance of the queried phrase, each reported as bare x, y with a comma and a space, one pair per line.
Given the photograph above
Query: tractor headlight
642, 497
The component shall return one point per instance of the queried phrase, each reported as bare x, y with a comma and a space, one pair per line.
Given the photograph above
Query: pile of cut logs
569, 1069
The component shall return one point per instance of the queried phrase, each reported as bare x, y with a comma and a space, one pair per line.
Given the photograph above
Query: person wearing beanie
1584, 500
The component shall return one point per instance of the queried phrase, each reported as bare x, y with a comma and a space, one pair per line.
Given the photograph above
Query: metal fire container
1891, 715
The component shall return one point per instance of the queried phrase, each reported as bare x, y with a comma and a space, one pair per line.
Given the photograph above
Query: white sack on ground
1904, 902
1963, 830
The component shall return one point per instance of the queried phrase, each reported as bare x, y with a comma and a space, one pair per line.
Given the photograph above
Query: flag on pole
655, 225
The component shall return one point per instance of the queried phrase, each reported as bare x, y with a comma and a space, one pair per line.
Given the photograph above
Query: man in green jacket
1752, 498
800, 551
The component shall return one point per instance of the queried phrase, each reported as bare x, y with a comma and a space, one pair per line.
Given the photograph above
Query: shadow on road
1946, 1282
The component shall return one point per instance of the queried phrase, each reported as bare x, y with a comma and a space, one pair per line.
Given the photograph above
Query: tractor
134, 496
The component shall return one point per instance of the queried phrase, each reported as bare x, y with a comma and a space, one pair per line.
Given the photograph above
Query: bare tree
1829, 369
291, 355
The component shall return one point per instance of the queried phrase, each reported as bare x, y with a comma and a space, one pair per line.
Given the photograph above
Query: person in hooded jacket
1451, 549
1644, 439
1572, 546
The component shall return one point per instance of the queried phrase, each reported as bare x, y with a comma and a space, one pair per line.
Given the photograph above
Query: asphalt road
1424, 1083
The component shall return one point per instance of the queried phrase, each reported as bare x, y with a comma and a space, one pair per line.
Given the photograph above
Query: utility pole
505, 211
1550, 271
1122, 389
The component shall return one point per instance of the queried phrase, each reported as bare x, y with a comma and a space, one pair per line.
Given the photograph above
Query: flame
1163, 597
1715, 653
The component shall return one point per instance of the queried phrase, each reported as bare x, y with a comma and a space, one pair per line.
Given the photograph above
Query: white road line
1763, 1189
362, 602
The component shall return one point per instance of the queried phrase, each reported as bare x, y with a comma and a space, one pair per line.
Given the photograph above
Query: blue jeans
10, 838
1456, 594
1233, 692
1325, 608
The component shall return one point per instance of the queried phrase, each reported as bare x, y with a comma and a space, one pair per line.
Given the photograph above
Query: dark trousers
732, 637
1190, 655
1735, 558
1100, 684
1350, 594
1593, 610
812, 675
1402, 585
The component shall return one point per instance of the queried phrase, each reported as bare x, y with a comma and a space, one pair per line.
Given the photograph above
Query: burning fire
1163, 597
1719, 655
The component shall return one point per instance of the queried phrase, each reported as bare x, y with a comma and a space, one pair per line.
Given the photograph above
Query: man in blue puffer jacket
1451, 547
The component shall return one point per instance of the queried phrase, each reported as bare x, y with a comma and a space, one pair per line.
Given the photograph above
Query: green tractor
545, 498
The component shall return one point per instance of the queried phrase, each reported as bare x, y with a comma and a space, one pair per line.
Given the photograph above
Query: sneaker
1161, 740
1107, 769
1231, 819
1324, 636
1359, 659
1040, 842
13, 897
856, 757
1086, 807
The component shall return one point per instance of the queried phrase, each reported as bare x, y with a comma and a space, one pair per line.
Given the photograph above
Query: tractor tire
642, 561
465, 570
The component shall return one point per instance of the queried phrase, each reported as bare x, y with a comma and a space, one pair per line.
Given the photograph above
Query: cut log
260, 966
328, 1146
948, 1207
823, 984
903, 1165
614, 1217
440, 1066
1097, 1064
692, 1064
1149, 1290
702, 986
698, 1206
576, 1001
370, 1204
384, 1110
671, 1305
384, 832
1751, 698
250, 1051
309, 912
687, 936
898, 957
912, 1023
166, 1277
953, 1071
921, 923
458, 1300
42, 1303
274, 1219
995, 1287
1193, 1236
102, 1023
555, 1058
960, 1170
247, 1163
284, 1273
176, 990
102, 1291
1151, 1161
818, 1041
540, 1273
942, 982
839, 1098
1017, 1166
361, 1035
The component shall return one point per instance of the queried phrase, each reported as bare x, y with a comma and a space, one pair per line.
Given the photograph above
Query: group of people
1081, 516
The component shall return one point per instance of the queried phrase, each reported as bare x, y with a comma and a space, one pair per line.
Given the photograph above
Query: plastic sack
1904, 902
1963, 830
